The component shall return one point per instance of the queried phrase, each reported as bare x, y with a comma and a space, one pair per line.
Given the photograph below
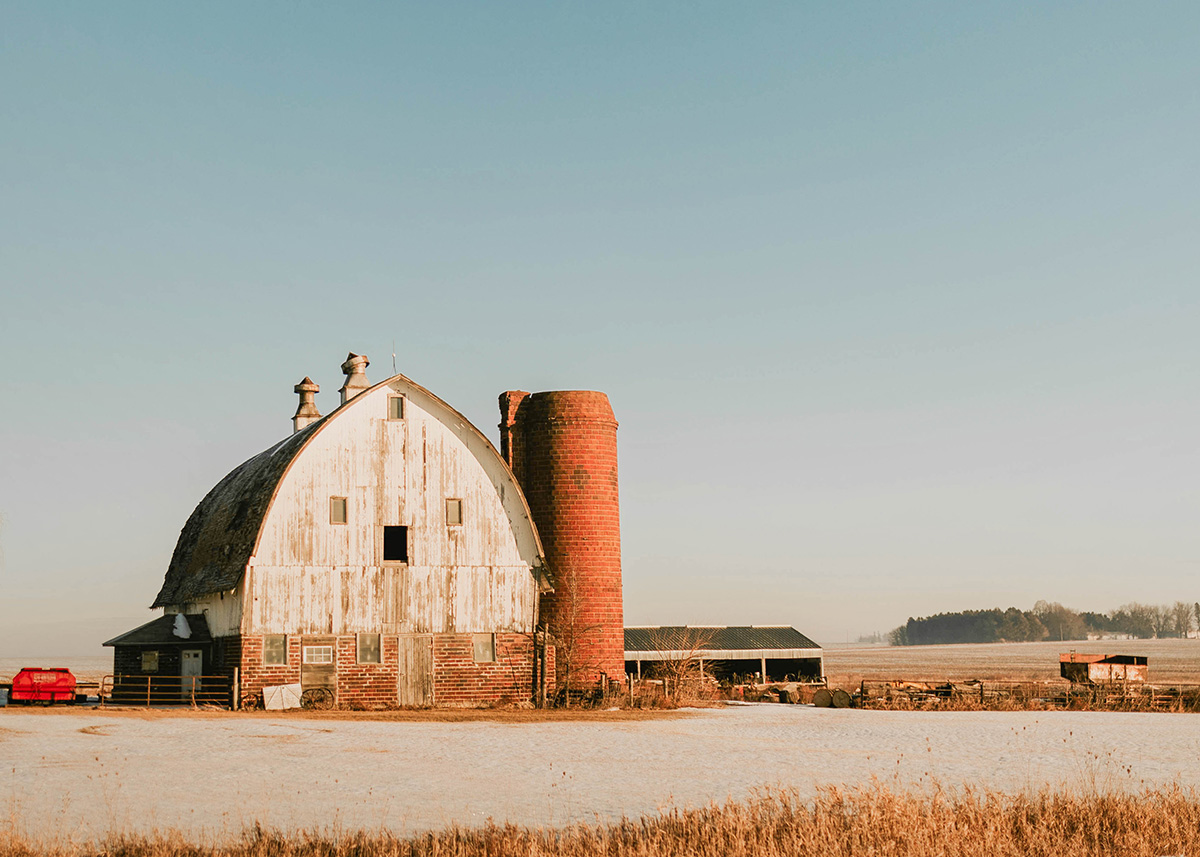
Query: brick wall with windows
458, 679
367, 685
255, 675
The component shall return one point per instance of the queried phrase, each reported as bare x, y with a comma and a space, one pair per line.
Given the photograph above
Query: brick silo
562, 447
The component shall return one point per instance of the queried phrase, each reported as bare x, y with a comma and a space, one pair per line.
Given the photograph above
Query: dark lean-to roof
726, 640
161, 632
219, 539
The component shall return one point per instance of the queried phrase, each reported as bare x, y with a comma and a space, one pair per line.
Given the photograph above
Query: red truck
33, 684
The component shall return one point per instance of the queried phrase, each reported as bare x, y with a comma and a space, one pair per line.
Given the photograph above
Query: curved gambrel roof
221, 536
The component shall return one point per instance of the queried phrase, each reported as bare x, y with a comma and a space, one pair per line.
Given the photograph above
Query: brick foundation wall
254, 674
457, 679
367, 685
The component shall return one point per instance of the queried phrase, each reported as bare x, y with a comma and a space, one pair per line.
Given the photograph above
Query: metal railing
166, 690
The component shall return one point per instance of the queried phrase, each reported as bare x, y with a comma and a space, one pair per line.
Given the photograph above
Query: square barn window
485, 648
453, 512
274, 649
337, 510
368, 649
318, 654
395, 544
395, 407
149, 662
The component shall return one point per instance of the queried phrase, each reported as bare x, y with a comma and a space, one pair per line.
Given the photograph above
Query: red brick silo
562, 447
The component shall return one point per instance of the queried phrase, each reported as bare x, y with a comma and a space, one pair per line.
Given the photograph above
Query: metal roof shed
775, 652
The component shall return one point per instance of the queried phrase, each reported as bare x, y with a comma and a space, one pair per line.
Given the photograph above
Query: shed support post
764, 669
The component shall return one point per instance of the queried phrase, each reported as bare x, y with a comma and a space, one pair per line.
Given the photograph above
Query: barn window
318, 654
453, 512
395, 544
149, 662
485, 648
368, 649
337, 510
395, 407
274, 649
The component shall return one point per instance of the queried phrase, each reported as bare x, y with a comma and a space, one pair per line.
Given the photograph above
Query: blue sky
896, 304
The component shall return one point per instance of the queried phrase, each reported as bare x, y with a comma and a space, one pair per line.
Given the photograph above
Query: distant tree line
1048, 621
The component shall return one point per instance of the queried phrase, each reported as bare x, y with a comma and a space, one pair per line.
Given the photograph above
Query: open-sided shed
775, 652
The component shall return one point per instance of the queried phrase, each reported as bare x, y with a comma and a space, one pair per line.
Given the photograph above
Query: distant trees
1061, 623
970, 626
1047, 621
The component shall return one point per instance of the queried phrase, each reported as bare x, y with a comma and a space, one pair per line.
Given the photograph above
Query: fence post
149, 679
235, 692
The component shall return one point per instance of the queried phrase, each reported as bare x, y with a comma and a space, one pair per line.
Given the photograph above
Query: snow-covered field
86, 773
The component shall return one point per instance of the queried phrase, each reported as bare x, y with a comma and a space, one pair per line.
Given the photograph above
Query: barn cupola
306, 413
355, 370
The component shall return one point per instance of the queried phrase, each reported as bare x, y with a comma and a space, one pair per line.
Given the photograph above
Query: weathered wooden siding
413, 600
224, 615
312, 576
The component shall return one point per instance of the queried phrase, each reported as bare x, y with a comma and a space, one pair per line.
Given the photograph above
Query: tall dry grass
871, 820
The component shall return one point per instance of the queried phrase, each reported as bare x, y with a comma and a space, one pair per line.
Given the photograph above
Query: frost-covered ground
85, 774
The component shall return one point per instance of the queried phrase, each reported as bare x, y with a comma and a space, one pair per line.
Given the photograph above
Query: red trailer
34, 684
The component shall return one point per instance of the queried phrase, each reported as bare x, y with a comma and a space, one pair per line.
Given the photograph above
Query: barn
387, 554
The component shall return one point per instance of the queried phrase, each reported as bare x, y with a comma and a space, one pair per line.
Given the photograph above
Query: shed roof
727, 640
161, 632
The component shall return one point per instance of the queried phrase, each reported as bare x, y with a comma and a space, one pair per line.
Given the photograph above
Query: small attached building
775, 652
174, 648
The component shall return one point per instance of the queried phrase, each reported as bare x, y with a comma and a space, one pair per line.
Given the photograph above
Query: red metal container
33, 684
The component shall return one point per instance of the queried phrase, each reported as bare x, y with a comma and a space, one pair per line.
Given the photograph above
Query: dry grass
871, 820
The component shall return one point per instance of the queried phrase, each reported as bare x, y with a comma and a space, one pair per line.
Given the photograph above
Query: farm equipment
48, 686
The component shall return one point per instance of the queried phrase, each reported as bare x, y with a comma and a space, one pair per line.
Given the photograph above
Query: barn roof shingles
218, 539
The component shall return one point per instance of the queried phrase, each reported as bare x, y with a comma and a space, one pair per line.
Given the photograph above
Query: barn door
416, 671
318, 666
191, 667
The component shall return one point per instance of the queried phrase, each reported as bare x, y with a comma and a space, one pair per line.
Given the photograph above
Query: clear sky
896, 304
